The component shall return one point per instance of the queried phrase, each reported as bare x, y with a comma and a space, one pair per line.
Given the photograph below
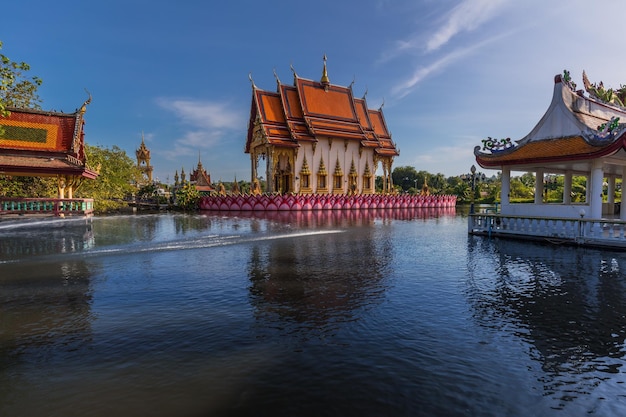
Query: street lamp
471, 179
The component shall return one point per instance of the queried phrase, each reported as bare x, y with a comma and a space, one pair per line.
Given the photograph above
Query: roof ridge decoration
295, 75
277, 80
254, 87
494, 145
608, 96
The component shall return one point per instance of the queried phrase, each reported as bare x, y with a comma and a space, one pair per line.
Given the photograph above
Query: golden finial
325, 81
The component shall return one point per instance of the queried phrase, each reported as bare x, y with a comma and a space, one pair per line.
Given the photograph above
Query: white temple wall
331, 151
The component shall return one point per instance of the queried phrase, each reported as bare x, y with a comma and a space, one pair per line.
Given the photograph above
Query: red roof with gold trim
36, 142
309, 110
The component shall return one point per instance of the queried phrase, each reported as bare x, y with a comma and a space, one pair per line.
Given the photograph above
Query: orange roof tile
548, 150
43, 143
309, 109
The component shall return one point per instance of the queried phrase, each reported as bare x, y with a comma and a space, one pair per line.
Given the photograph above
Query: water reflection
568, 304
308, 287
324, 218
44, 237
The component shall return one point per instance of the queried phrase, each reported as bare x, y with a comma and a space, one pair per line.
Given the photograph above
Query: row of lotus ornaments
292, 202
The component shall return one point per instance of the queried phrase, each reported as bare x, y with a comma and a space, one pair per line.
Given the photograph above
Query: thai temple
37, 143
317, 138
581, 134
201, 179
143, 162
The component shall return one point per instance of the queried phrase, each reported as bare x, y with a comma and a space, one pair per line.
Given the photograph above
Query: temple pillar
539, 186
269, 173
610, 194
253, 164
622, 210
505, 189
597, 179
567, 187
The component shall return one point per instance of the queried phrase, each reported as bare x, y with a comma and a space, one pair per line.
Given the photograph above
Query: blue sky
449, 72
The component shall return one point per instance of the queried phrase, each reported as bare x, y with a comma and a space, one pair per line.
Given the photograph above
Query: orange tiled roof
547, 150
43, 143
309, 110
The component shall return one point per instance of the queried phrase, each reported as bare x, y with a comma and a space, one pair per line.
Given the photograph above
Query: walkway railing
584, 232
46, 206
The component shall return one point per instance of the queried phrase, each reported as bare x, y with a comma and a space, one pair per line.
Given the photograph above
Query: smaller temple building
46, 144
582, 133
317, 138
143, 162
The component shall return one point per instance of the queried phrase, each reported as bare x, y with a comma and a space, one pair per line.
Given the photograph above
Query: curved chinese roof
309, 110
575, 130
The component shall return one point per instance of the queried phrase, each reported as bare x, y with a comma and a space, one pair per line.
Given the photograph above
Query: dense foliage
118, 174
187, 197
17, 88
44, 187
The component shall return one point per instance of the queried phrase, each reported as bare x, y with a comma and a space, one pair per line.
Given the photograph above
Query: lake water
387, 313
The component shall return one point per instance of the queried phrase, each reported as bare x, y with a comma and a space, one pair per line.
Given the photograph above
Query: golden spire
325, 81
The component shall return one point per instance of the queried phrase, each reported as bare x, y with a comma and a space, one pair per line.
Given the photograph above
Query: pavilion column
269, 173
567, 188
610, 195
505, 190
253, 163
595, 194
539, 186
622, 210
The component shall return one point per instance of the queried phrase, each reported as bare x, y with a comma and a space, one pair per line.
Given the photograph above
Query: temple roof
574, 130
43, 143
309, 110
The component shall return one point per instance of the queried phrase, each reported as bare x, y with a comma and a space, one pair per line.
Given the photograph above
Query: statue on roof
610, 96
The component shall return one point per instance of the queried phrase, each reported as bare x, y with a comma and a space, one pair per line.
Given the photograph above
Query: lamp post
471, 179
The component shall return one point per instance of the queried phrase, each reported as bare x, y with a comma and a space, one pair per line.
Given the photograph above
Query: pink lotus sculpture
306, 202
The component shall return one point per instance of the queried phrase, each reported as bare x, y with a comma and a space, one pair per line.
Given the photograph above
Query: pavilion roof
43, 143
309, 110
574, 130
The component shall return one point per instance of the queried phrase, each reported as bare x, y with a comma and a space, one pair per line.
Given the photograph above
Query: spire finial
325, 81
251, 80
365, 93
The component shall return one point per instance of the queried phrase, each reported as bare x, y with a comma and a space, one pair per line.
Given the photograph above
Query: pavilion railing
59, 207
579, 231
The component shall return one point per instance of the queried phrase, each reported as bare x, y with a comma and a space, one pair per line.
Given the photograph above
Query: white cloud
203, 124
467, 16
204, 114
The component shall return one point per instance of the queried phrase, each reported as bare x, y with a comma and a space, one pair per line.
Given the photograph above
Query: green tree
188, 197
117, 175
404, 177
17, 88
25, 187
